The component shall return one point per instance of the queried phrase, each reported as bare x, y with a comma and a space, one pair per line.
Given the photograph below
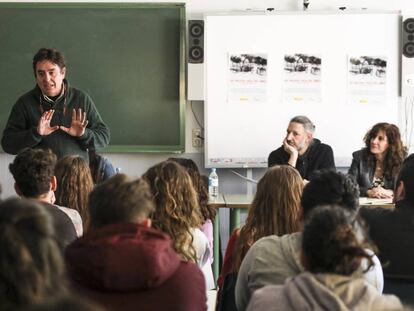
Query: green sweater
21, 128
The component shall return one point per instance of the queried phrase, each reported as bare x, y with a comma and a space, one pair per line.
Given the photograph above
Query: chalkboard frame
135, 147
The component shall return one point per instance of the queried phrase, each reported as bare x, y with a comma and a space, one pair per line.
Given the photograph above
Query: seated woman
376, 166
31, 267
333, 246
177, 213
208, 213
74, 184
275, 210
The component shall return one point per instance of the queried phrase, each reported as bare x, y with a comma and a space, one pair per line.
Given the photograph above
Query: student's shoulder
265, 298
274, 248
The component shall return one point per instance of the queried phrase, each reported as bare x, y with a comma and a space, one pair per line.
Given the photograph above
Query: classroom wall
136, 164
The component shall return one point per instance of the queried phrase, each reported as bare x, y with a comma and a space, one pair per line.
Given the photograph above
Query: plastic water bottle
213, 183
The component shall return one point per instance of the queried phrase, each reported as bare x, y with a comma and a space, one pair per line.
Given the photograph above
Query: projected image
302, 78
247, 77
367, 77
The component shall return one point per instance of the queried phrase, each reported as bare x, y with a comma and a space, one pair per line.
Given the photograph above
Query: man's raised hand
78, 124
43, 127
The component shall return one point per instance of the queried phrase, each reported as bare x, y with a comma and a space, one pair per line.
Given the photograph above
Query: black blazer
364, 174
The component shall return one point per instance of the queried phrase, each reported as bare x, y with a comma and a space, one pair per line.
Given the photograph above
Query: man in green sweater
54, 114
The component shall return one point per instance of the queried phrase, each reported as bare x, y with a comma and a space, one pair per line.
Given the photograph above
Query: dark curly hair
394, 155
330, 187
334, 241
31, 265
200, 186
32, 170
51, 55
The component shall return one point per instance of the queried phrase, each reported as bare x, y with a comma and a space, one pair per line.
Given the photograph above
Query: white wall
136, 164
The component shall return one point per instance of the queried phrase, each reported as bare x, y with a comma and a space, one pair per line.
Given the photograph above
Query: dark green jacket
21, 128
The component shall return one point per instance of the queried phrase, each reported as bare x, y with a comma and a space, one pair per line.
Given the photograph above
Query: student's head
31, 265
275, 209
49, 66
384, 139
405, 181
330, 187
199, 185
33, 171
177, 211
333, 241
120, 200
74, 185
299, 133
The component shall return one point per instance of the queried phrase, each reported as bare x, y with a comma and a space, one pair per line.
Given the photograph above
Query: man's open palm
78, 124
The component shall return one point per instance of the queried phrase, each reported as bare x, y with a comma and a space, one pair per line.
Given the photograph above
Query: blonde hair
177, 210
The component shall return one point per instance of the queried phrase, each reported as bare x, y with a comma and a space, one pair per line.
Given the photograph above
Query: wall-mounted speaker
195, 41
407, 57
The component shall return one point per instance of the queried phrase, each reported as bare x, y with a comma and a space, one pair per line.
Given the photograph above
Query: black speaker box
195, 41
408, 37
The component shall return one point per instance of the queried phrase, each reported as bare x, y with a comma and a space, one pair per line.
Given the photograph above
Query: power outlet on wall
197, 138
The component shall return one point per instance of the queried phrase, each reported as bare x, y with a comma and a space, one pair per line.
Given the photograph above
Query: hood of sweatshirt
334, 292
122, 257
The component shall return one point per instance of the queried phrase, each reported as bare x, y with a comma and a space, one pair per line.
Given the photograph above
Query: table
237, 202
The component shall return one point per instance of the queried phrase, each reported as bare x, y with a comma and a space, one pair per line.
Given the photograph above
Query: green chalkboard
129, 57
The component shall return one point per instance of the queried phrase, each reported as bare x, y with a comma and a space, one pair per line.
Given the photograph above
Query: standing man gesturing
54, 114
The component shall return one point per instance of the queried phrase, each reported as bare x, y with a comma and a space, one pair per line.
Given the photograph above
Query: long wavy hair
177, 211
275, 209
395, 153
31, 264
74, 185
200, 186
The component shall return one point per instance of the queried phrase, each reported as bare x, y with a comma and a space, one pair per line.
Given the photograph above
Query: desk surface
244, 201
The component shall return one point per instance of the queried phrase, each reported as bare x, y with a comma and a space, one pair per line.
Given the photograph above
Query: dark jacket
132, 267
392, 231
364, 173
21, 128
64, 229
318, 156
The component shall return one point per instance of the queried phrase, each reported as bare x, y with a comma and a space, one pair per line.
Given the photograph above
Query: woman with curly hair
208, 213
31, 265
177, 213
74, 186
376, 166
333, 247
275, 210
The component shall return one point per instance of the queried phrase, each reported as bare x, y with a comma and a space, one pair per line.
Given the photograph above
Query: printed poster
247, 78
302, 78
367, 77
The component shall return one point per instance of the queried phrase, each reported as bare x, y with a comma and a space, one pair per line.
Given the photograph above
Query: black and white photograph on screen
247, 78
367, 78
302, 78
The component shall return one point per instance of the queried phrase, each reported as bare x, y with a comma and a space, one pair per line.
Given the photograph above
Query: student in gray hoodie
332, 249
271, 260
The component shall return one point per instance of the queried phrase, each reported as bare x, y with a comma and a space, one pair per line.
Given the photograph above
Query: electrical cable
195, 117
244, 177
